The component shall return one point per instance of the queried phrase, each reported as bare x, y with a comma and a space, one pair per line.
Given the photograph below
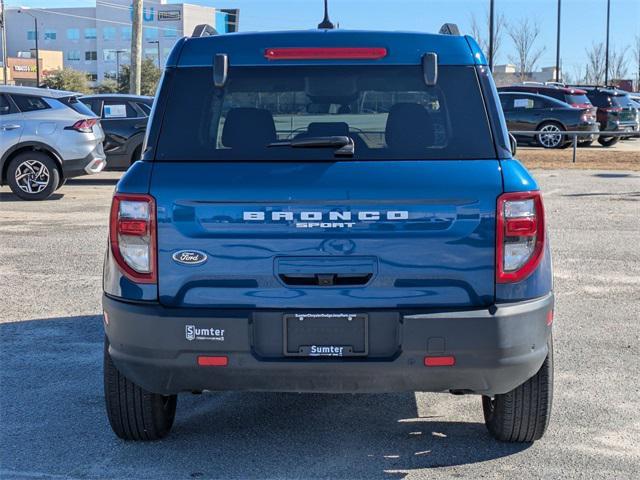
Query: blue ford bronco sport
328, 211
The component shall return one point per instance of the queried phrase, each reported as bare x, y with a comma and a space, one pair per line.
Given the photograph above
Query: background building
21, 69
98, 39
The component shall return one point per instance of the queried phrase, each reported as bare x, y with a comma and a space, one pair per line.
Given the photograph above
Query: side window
541, 103
118, 109
28, 103
94, 105
145, 108
507, 102
5, 106
520, 103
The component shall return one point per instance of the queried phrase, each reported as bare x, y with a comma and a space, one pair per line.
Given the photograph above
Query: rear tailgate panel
432, 245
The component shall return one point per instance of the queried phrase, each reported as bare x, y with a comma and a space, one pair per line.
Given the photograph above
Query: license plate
326, 335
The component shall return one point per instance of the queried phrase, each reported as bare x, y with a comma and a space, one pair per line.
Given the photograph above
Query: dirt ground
623, 156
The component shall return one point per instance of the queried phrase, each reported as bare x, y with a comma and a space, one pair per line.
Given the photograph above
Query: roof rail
449, 29
204, 30
531, 82
556, 84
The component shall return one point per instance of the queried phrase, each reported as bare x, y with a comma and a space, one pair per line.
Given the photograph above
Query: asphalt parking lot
52, 419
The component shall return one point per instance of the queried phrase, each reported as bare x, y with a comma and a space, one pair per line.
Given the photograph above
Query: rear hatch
421, 234
407, 221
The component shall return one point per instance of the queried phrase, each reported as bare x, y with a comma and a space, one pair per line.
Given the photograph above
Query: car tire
33, 175
552, 139
522, 415
61, 183
133, 412
608, 141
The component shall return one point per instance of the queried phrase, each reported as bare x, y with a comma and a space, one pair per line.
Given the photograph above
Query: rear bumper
89, 165
495, 350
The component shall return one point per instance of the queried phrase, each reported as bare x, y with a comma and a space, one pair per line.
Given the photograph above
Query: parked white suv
46, 136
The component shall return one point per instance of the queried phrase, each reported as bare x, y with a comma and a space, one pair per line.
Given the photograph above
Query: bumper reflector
549, 317
447, 361
204, 361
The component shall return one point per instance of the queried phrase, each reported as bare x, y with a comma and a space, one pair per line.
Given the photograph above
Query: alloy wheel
550, 136
32, 176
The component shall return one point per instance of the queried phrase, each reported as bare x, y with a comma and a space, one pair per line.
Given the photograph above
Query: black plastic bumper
93, 163
495, 350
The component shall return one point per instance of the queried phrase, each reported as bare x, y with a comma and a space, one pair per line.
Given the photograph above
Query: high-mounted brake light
520, 235
84, 126
325, 53
132, 235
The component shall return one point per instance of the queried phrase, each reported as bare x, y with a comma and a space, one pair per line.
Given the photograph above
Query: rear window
576, 99
75, 104
621, 101
388, 111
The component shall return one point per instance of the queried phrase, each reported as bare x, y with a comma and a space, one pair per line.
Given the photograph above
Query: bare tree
594, 70
524, 34
618, 66
635, 49
480, 31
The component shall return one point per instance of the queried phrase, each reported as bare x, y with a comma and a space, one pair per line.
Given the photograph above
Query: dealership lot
52, 420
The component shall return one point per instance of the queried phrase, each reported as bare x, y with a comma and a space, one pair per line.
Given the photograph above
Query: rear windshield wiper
344, 145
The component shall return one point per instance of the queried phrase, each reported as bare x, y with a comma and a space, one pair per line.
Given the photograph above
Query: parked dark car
575, 97
124, 120
529, 111
616, 112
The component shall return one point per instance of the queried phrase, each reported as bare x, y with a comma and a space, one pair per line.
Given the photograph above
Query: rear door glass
118, 109
388, 111
29, 103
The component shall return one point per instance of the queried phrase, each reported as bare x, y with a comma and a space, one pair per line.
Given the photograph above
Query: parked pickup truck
328, 211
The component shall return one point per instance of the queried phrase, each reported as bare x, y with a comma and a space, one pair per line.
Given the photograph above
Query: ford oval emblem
190, 257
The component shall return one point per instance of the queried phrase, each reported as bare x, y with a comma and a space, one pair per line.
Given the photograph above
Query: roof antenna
326, 23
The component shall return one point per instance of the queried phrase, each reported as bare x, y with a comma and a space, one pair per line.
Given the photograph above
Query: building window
108, 33
170, 32
73, 55
110, 75
92, 77
50, 35
31, 35
91, 55
90, 33
126, 33
150, 34
109, 55
73, 34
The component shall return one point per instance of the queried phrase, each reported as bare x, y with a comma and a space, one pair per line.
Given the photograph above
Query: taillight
325, 53
84, 126
520, 235
132, 235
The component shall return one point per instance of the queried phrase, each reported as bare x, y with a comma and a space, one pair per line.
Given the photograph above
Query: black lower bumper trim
495, 350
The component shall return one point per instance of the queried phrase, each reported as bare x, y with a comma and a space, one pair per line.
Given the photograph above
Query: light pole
491, 28
558, 44
157, 42
606, 48
118, 52
35, 22
4, 41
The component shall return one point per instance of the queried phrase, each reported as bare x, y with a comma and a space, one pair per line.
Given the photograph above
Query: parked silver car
46, 136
